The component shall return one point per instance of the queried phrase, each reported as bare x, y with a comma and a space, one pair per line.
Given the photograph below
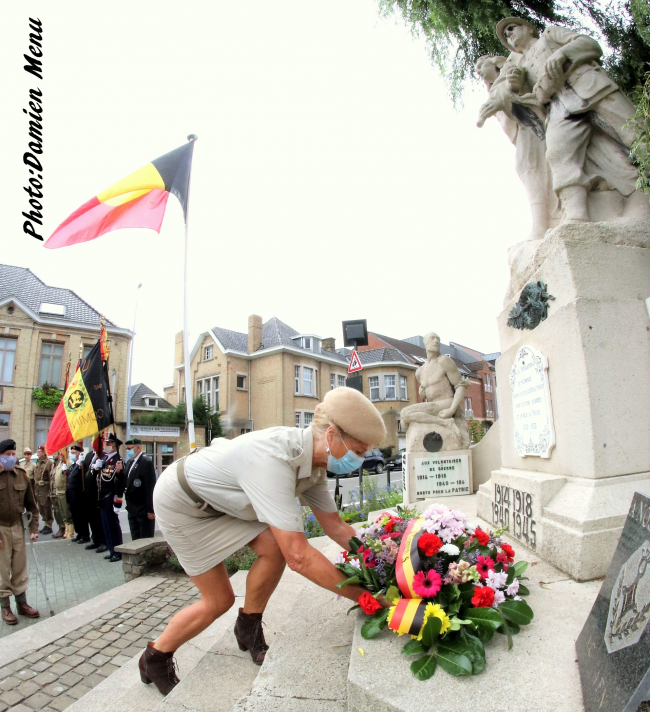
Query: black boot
250, 636
159, 668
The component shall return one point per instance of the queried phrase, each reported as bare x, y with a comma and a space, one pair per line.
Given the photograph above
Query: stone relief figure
523, 124
439, 423
585, 115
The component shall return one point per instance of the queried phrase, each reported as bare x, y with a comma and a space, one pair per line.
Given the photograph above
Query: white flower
450, 549
355, 563
499, 597
513, 588
518, 598
337, 598
497, 581
340, 559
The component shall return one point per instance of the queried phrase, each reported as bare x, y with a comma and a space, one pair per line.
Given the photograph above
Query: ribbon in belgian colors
408, 615
85, 408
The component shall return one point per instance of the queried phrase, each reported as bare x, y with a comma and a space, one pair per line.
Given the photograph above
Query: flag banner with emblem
85, 408
139, 200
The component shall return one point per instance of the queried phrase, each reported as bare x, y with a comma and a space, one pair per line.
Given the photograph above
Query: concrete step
123, 691
305, 670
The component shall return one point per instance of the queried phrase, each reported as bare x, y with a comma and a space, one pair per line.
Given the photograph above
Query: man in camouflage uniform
16, 495
42, 474
57, 495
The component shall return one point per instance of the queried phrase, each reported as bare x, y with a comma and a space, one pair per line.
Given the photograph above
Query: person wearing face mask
74, 494
243, 492
138, 492
57, 495
16, 496
42, 475
110, 486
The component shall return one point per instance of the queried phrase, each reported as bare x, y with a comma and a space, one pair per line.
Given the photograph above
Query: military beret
7, 445
133, 441
351, 411
77, 447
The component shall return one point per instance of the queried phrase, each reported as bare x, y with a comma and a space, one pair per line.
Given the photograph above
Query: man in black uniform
140, 481
91, 500
110, 486
74, 494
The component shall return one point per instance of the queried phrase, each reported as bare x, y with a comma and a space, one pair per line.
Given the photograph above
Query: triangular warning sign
355, 364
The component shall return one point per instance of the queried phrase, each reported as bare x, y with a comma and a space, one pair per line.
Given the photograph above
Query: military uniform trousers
61, 510
139, 523
45, 504
13, 560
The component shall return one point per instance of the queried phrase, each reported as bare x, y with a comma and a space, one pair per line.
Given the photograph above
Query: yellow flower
434, 609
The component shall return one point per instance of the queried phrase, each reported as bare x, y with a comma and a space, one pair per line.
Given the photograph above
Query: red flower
427, 585
483, 597
503, 560
367, 555
483, 537
484, 565
370, 605
392, 535
429, 544
388, 527
509, 551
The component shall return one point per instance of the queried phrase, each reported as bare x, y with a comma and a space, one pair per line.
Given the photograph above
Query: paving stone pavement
55, 676
72, 575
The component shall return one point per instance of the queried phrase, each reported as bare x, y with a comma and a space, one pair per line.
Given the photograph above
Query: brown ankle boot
159, 668
250, 636
26, 610
8, 616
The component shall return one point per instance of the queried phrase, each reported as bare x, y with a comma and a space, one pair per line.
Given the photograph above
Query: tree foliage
458, 32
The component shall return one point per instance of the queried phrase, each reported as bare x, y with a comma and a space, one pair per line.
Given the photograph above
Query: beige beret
351, 411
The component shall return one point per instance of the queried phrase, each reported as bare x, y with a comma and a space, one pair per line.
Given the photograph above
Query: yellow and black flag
86, 407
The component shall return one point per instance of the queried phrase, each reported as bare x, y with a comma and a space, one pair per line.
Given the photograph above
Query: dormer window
151, 402
310, 343
306, 343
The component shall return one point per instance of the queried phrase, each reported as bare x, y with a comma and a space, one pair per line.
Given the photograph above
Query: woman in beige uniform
243, 491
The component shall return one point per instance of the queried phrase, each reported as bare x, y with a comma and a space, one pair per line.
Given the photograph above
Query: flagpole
186, 346
128, 392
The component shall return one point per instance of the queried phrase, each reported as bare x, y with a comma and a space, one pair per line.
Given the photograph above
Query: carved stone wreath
531, 307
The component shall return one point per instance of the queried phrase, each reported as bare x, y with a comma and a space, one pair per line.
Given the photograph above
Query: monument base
573, 523
430, 475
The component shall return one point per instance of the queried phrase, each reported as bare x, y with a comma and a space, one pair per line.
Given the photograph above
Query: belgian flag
139, 200
86, 407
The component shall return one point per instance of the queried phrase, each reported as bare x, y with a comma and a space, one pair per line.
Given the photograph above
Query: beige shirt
257, 476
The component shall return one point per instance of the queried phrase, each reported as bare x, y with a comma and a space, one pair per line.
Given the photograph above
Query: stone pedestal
570, 507
431, 475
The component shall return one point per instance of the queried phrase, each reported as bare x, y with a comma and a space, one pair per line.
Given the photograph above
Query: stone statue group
570, 124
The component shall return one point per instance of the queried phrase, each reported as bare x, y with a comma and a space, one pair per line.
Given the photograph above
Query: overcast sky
332, 177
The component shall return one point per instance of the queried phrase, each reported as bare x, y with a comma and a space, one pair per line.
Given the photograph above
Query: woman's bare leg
216, 598
265, 572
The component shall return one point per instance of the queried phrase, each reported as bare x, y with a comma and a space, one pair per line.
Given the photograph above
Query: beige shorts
200, 541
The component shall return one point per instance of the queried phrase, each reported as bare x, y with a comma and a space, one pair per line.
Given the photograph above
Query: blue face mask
346, 464
7, 461
73, 458
130, 454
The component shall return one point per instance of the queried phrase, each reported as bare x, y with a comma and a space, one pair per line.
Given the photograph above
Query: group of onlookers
82, 492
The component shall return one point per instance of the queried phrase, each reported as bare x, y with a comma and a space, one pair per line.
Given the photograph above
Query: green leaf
513, 627
392, 594
520, 567
452, 591
483, 617
476, 651
431, 631
353, 608
454, 608
523, 590
424, 668
517, 611
506, 630
348, 569
349, 582
414, 647
455, 623
452, 662
484, 634
466, 591
375, 624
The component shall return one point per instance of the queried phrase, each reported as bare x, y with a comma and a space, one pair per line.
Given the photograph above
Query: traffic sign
355, 364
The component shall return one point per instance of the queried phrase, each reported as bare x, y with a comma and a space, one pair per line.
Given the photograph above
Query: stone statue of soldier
586, 118
443, 387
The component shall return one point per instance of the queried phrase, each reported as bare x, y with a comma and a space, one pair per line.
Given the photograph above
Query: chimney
327, 344
254, 333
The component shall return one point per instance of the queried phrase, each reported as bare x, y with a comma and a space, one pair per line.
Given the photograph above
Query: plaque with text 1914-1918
614, 645
442, 474
532, 417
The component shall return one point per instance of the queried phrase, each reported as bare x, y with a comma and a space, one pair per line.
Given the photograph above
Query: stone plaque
513, 508
614, 645
532, 417
441, 474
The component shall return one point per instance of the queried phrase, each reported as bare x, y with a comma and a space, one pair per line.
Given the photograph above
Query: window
304, 418
86, 351
307, 381
332, 381
297, 419
215, 385
489, 412
341, 381
4, 419
42, 429
207, 394
373, 385
199, 388
151, 402
308, 419
402, 388
208, 352
244, 431
51, 357
488, 384
296, 380
7, 358
182, 394
469, 413
241, 382
389, 388
307, 343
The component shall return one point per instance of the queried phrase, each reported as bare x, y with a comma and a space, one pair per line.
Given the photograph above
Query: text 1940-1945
513, 509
